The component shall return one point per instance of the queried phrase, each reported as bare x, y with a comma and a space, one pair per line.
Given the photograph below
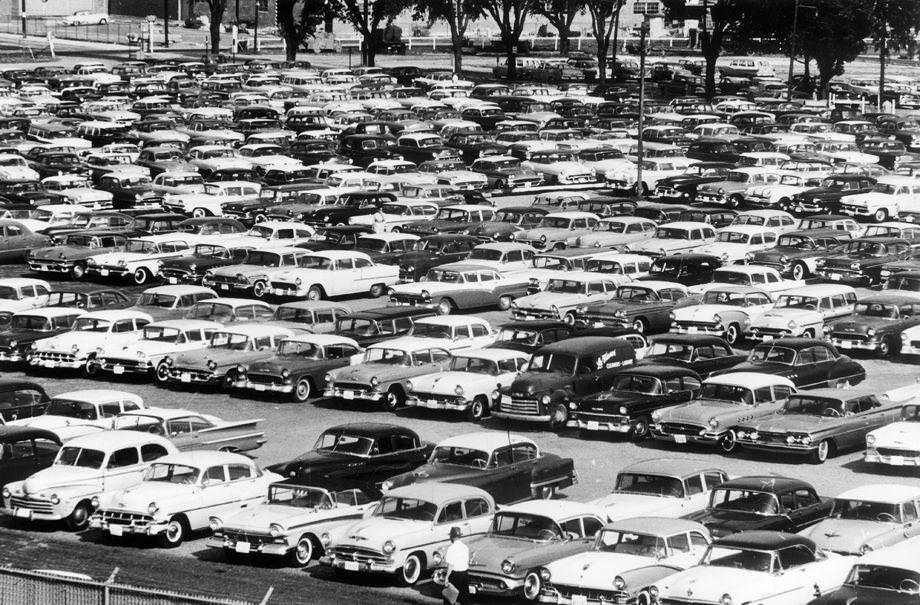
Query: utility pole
165, 23
882, 55
22, 13
795, 25
365, 52
255, 36
643, 32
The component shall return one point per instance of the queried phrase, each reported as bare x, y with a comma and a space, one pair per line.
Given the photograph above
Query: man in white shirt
457, 559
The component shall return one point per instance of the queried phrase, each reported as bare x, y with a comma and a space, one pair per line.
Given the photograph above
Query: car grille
536, 243
915, 343
352, 386
678, 428
264, 378
521, 406
592, 594
775, 332
55, 356
703, 325
577, 179
589, 416
770, 437
49, 262
602, 318
111, 268
117, 517
849, 336
108, 363
409, 299
176, 272
684, 602
890, 451
710, 197
439, 397
223, 279
241, 536
358, 554
36, 504
534, 313
666, 192
284, 285
194, 373
406, 275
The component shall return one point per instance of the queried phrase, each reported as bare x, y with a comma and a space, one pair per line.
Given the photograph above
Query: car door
123, 469
807, 511
391, 455
506, 480
19, 460
477, 515
214, 497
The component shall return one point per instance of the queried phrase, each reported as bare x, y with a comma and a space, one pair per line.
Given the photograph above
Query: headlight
717, 318
496, 394
749, 256
91, 261
543, 238
192, 267
285, 373
619, 583
240, 369
623, 409
713, 422
122, 263
864, 549
215, 524
325, 539
726, 599
409, 385
581, 309
806, 439
672, 316
386, 485
375, 382
790, 439
721, 190
459, 391
389, 547
545, 575
212, 365
328, 378
545, 399
410, 269
437, 557
426, 294
784, 259
5, 493
507, 566
242, 278
141, 355
792, 324
854, 266
653, 592
573, 405
168, 360
298, 282
871, 332
275, 530
152, 508
55, 499
870, 439
74, 348
656, 416
554, 309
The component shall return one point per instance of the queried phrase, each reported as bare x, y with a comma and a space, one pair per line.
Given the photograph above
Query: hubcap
410, 570
304, 551
531, 586
303, 390
174, 531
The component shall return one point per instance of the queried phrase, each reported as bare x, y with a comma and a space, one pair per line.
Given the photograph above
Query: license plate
691, 330
103, 272
118, 369
767, 338
22, 513
506, 399
49, 364
351, 566
173, 280
579, 599
680, 439
242, 548
224, 287
185, 377
834, 276
593, 426
896, 461
116, 530
259, 387
473, 589
348, 395
846, 344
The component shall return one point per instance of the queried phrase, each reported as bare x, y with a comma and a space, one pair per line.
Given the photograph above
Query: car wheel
880, 216
734, 201
199, 213
569, 318
640, 429
412, 569
303, 552
532, 586
479, 409
799, 271
732, 334
378, 290
259, 289
90, 368
727, 441
808, 333
640, 326
446, 306
77, 271
174, 534
302, 390
315, 293
819, 456
141, 276
394, 399
78, 520
500, 185
161, 375
103, 21
885, 347
504, 303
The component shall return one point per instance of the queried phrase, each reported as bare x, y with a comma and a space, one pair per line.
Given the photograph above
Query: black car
717, 216
351, 204
363, 149
686, 269
825, 199
859, 261
158, 222
433, 251
889, 151
474, 145
660, 213
190, 268
25, 328
682, 187
341, 237
702, 353
626, 408
807, 362
313, 151
762, 503
508, 221
26, 451
370, 452
528, 336
877, 583
713, 149
796, 253
22, 399
53, 163
383, 323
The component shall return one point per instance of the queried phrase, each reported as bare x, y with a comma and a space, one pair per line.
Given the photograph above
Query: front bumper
869, 344
40, 266
857, 210
892, 456
768, 334
711, 329
134, 528
520, 314
349, 394
267, 387
193, 376
388, 566
124, 366
108, 271
846, 276
702, 435
33, 509
289, 290
585, 596
434, 401
608, 424
495, 585
11, 356
52, 360
261, 545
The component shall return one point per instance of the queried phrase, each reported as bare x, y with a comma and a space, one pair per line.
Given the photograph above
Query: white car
777, 220
14, 167
653, 171
290, 521
734, 243
85, 18
504, 257
761, 277
468, 383
616, 232
762, 567
892, 196
180, 492
454, 332
80, 412
22, 294
724, 310
627, 557
393, 216
563, 295
661, 488
159, 339
557, 230
140, 260
85, 471
76, 350
675, 238
558, 167
803, 312
252, 275
210, 201
896, 444
405, 529
319, 275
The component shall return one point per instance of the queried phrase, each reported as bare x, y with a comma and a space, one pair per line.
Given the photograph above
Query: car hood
65, 342
608, 239
112, 258
655, 244
371, 533
795, 423
139, 497
446, 382
488, 552
538, 382
703, 313
549, 232
609, 402
363, 373
23, 336
150, 347
764, 367
246, 270
256, 520
428, 286
620, 505
904, 434
315, 463
775, 254
292, 363
67, 253
59, 476
848, 535
714, 187
726, 522
201, 358
707, 584
438, 471
546, 300
700, 411
595, 569
860, 325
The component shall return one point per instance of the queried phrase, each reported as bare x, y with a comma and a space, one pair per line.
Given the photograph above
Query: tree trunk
710, 45
826, 65
371, 46
616, 35
511, 57
564, 40
601, 63
291, 42
216, 16
458, 58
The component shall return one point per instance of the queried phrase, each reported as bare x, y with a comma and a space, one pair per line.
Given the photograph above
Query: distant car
192, 431
26, 327
85, 18
701, 353
29, 451
21, 399
646, 306
528, 336
724, 311
803, 312
897, 443
876, 324
890, 576
461, 286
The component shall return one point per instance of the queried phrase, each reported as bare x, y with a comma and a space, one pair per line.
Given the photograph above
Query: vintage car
826, 197
558, 167
548, 265
616, 232
171, 302
406, 528
320, 275
702, 353
895, 444
253, 273
504, 257
558, 372
859, 262
867, 518
779, 194
511, 468
467, 384
686, 269
201, 484
802, 312
564, 295
890, 576
765, 502
668, 487
723, 402
528, 336
646, 306
508, 221
797, 253
71, 255
522, 539
191, 268
299, 367
675, 238
461, 286
735, 242
876, 324
392, 217
432, 251
627, 406
381, 375
140, 259
86, 469
892, 196
310, 316
823, 422
765, 567
731, 191
80, 412
23, 293
808, 362
77, 349
637, 552
288, 523
724, 311
193, 431
506, 172
26, 451
21, 399
765, 279
218, 363
26, 327
557, 230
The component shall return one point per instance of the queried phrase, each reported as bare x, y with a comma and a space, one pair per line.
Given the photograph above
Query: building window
646, 8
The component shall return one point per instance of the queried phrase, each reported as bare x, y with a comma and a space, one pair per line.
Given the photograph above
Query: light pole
643, 31
795, 27
165, 23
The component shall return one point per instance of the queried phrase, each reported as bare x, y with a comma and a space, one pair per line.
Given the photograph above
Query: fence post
580, 38
434, 43
268, 595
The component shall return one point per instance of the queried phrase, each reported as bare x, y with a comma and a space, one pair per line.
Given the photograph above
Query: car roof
110, 440
202, 458
753, 380
371, 429
671, 467
690, 339
390, 312
485, 440
494, 354
818, 290
767, 483
452, 320
314, 304
233, 302
322, 339
9, 433
555, 509
882, 492
766, 540
51, 311
660, 370
257, 329
178, 290
902, 555
891, 299
658, 526
116, 314
584, 344
654, 284
434, 491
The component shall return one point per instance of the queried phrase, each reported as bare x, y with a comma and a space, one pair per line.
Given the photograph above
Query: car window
910, 511
698, 541
451, 513
523, 452
781, 391
713, 479
439, 355
763, 394
591, 526
795, 556
479, 330
679, 542
123, 457
239, 471
805, 497
152, 451
694, 485
178, 426
214, 474
476, 507
124, 325
502, 457
572, 528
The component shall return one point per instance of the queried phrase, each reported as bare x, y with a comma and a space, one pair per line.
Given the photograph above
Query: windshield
814, 406
82, 410
528, 527
553, 362
343, 443
429, 330
885, 578
213, 311
769, 353
90, 324
903, 283
520, 336
611, 226
295, 348
795, 241
443, 276
877, 310
565, 286
299, 497
486, 254
140, 247
742, 500
672, 233
30, 322
739, 558
162, 334
553, 222
319, 263
864, 510
172, 473
727, 276
641, 545
795, 301
727, 392
79, 456
722, 297
393, 357
637, 383
671, 350
474, 365
734, 237
651, 485
406, 508
165, 301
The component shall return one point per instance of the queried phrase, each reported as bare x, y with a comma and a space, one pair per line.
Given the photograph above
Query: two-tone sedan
27, 327
890, 576
897, 444
320, 275
646, 306
460, 287
193, 431
564, 295
144, 356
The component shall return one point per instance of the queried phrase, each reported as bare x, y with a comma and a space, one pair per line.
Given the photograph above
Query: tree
560, 14
605, 15
217, 8
366, 25
833, 35
893, 24
510, 16
458, 14
297, 20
